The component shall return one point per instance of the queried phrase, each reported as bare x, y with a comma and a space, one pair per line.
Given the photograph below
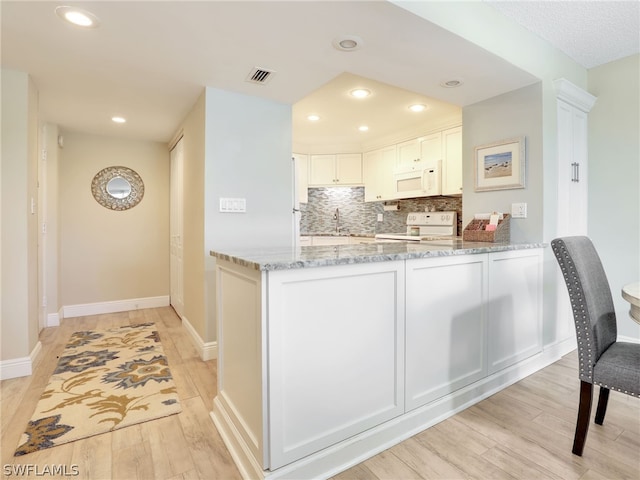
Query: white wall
614, 177
511, 115
248, 155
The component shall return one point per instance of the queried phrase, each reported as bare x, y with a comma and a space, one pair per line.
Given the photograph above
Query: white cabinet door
340, 169
408, 155
176, 228
572, 198
336, 354
349, 169
572, 171
415, 154
452, 161
574, 105
514, 307
322, 170
386, 169
371, 163
431, 148
445, 326
377, 168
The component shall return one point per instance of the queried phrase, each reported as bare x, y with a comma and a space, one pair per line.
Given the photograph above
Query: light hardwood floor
525, 431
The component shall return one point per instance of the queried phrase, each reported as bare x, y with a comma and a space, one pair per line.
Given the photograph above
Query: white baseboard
19, 367
53, 319
206, 350
624, 338
82, 310
559, 349
237, 447
343, 455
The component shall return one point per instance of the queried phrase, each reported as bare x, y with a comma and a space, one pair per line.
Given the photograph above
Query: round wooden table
631, 293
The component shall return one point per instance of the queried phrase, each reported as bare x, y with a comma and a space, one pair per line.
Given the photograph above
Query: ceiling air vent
260, 75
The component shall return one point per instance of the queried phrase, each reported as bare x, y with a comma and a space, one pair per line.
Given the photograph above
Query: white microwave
423, 182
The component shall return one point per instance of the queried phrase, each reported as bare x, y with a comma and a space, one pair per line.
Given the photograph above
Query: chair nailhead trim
580, 314
586, 346
633, 394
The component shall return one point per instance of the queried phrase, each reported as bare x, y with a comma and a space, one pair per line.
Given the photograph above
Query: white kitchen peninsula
328, 355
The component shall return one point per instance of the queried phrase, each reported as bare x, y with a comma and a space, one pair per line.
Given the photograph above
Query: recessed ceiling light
348, 43
313, 118
78, 17
363, 128
118, 119
360, 93
452, 83
417, 107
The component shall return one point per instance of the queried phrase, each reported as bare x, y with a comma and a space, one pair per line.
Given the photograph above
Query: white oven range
424, 226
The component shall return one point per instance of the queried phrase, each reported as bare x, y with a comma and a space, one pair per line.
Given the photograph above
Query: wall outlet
519, 210
380, 217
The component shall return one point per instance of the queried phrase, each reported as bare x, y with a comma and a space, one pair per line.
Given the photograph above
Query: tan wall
614, 177
33, 232
194, 144
19, 290
110, 255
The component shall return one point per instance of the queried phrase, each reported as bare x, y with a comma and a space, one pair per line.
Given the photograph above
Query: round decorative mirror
117, 188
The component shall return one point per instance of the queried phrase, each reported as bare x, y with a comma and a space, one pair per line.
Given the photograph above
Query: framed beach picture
501, 165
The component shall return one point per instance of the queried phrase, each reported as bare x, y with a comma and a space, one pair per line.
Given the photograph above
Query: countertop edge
327, 255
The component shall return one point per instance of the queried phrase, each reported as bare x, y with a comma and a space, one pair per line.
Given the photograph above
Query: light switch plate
519, 210
380, 217
233, 205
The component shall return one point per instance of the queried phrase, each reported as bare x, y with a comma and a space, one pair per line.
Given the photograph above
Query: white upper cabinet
349, 168
377, 168
415, 154
340, 169
408, 155
322, 170
452, 161
431, 148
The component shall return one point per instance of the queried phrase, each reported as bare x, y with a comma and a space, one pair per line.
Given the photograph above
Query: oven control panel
431, 218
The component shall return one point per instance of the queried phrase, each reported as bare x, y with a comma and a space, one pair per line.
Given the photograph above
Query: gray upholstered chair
603, 360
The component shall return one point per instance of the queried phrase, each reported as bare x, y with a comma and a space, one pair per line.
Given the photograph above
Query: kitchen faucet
336, 217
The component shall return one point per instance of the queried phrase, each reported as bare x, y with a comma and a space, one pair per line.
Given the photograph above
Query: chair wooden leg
584, 413
603, 399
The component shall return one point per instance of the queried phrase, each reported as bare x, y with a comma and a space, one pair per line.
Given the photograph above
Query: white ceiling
149, 61
591, 32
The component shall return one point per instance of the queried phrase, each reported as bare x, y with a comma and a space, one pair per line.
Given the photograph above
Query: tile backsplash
356, 216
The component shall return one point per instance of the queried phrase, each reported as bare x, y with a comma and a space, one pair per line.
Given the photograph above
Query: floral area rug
104, 380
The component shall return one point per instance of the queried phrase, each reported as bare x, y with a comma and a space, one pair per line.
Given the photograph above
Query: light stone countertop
285, 258
333, 234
